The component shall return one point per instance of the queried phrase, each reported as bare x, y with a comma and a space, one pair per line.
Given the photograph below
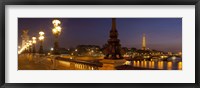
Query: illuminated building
88, 50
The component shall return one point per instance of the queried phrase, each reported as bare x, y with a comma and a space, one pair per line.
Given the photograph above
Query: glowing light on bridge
22, 49
30, 43
41, 33
51, 49
41, 37
57, 29
56, 22
34, 40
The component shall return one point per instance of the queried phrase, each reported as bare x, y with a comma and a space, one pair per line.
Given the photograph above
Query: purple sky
161, 33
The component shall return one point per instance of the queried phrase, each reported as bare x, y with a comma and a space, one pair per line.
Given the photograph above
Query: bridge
155, 57
91, 63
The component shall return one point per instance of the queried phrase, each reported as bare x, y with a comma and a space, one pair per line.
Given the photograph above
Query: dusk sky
163, 34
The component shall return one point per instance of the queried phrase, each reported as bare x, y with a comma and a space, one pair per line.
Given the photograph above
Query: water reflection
163, 65
179, 65
145, 64
169, 65
138, 64
173, 64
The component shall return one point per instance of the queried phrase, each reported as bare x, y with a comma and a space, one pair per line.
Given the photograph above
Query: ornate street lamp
56, 32
34, 42
41, 39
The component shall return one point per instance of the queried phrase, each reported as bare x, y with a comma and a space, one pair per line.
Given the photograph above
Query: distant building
87, 50
169, 53
63, 51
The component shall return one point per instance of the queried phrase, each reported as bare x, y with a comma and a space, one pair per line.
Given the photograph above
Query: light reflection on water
179, 65
164, 65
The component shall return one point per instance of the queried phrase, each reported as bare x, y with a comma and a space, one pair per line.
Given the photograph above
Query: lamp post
56, 32
41, 38
27, 47
30, 46
34, 42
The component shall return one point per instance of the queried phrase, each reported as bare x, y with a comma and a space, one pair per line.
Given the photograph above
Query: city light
21, 50
57, 29
54, 30
87, 54
30, 43
41, 38
56, 22
27, 44
34, 40
51, 49
41, 33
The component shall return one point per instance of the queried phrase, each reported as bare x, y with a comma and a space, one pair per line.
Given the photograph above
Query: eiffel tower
143, 42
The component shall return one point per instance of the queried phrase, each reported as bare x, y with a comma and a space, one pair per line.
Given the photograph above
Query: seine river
162, 65
171, 64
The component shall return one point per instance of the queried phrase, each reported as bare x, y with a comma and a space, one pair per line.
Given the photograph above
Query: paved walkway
36, 62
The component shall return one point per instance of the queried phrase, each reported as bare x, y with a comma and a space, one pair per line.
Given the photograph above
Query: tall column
25, 38
56, 46
41, 48
34, 51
